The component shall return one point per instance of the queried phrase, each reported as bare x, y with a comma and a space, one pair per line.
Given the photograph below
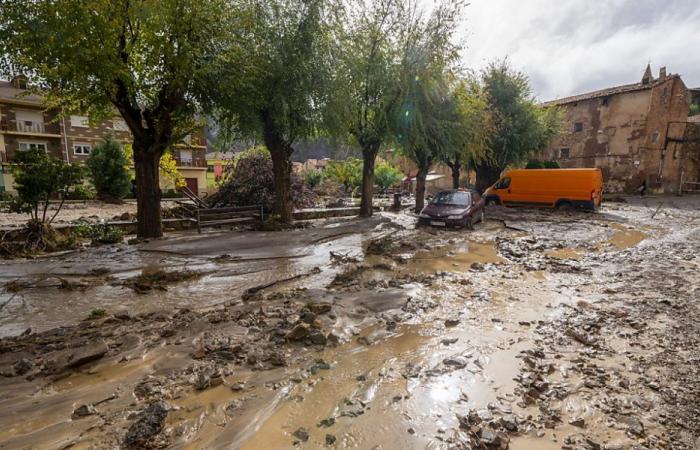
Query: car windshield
452, 198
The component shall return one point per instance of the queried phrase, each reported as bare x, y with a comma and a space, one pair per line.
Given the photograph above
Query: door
192, 185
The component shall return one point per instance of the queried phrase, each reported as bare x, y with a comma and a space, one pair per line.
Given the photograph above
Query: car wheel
469, 223
491, 202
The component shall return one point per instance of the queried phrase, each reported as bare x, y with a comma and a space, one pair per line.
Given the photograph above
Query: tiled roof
9, 92
607, 92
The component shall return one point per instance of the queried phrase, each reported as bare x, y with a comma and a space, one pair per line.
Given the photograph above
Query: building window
578, 127
82, 149
79, 121
24, 146
186, 157
119, 125
655, 137
606, 101
564, 153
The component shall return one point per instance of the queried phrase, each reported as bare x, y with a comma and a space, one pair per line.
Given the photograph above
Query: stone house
634, 133
25, 124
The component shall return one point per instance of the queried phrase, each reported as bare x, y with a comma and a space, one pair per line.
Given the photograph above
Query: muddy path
536, 331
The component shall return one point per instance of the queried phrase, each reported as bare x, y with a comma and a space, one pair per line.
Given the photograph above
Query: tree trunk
369, 155
147, 193
486, 176
456, 167
282, 169
420, 189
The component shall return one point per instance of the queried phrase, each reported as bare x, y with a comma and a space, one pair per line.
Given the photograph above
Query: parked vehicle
548, 188
453, 208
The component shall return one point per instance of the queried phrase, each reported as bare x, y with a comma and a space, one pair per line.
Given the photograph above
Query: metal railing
31, 127
191, 162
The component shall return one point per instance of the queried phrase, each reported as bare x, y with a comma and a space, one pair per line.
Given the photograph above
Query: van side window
503, 183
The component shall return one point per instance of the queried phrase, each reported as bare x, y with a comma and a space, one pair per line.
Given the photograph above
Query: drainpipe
65, 135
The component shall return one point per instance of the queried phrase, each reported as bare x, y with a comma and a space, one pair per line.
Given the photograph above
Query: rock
320, 308
307, 317
319, 364
216, 379
459, 362
634, 426
510, 423
494, 440
317, 338
22, 366
452, 323
449, 341
330, 439
87, 354
148, 424
578, 422
236, 387
329, 422
203, 382
299, 332
332, 339
301, 434
84, 411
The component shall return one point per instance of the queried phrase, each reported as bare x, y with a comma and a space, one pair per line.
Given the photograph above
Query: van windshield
452, 198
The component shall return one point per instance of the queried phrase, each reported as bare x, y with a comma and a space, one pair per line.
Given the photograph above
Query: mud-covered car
453, 208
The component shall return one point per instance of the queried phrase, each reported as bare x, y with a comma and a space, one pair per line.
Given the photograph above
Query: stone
84, 411
459, 362
578, 422
317, 338
329, 422
449, 341
307, 317
301, 434
299, 332
452, 323
330, 439
87, 354
148, 424
236, 387
320, 308
22, 366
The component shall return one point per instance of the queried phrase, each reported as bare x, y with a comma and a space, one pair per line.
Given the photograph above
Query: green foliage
97, 314
694, 109
386, 176
348, 173
551, 165
40, 178
534, 164
83, 191
109, 171
521, 126
98, 232
313, 178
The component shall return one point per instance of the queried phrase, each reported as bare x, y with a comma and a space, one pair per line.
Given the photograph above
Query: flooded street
538, 330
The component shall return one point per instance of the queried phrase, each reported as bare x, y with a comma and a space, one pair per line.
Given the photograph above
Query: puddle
565, 253
453, 258
625, 238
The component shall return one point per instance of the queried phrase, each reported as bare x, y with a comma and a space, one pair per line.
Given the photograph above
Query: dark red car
456, 208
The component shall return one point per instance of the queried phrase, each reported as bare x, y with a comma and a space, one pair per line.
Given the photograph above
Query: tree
521, 126
108, 170
473, 129
285, 64
348, 173
40, 178
167, 166
386, 176
369, 52
152, 61
427, 123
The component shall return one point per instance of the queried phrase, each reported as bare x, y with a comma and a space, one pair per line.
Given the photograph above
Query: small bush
551, 165
82, 192
108, 171
313, 178
104, 234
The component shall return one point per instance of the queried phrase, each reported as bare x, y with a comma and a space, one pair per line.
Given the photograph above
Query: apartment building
26, 124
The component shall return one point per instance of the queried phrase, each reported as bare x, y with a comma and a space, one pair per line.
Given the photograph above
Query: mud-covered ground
539, 330
71, 212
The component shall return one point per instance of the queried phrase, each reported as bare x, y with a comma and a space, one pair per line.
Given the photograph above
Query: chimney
662, 73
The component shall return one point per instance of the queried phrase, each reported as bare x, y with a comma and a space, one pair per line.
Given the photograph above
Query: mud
537, 330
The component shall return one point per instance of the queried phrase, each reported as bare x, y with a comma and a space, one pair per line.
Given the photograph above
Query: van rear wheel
564, 206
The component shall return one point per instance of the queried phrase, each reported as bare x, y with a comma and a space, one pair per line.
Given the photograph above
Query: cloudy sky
568, 47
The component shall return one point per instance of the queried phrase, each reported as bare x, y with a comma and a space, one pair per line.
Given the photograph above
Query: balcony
31, 127
201, 163
194, 141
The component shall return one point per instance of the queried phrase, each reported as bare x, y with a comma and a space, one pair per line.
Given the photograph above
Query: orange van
548, 188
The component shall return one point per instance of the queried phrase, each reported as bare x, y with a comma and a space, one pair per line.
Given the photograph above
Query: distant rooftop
10, 91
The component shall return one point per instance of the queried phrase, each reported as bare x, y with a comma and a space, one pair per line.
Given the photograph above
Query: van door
502, 190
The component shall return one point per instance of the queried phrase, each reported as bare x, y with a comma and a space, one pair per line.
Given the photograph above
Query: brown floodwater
625, 237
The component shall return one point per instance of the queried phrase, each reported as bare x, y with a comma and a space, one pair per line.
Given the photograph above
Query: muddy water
454, 258
626, 237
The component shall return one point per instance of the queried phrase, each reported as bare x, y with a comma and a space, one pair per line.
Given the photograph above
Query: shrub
108, 171
313, 178
82, 192
551, 165
534, 164
348, 173
97, 232
386, 176
40, 178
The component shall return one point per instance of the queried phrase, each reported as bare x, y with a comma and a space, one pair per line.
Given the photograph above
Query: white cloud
573, 46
